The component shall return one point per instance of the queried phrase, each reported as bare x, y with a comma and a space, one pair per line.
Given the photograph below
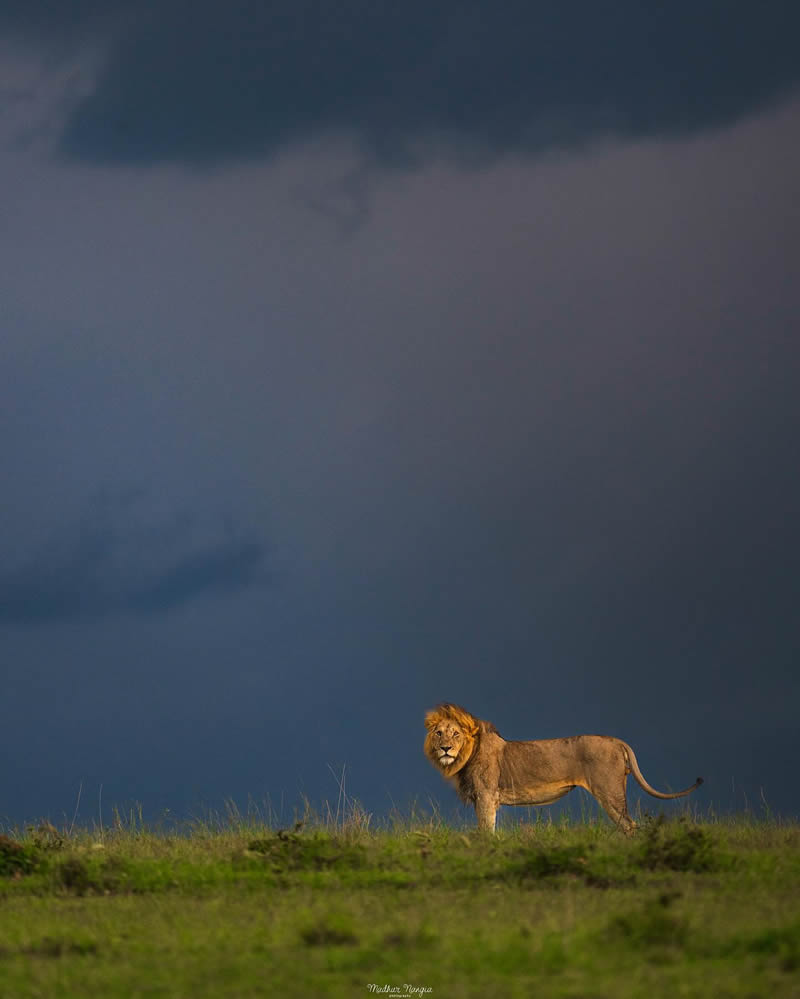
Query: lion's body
489, 771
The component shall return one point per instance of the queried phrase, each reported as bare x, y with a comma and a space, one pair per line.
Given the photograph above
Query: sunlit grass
235, 903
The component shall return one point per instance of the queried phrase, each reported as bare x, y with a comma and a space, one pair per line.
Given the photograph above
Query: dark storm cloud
105, 565
204, 82
41, 18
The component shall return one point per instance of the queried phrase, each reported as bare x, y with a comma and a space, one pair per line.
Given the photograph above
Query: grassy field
237, 908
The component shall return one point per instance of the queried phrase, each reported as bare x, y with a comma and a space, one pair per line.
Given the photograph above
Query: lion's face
447, 741
450, 742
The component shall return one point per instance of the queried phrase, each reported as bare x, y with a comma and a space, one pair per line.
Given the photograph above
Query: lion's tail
637, 773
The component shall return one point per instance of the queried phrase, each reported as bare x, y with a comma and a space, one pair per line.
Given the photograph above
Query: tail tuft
699, 781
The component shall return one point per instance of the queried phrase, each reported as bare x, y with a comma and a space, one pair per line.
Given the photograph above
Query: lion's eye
439, 733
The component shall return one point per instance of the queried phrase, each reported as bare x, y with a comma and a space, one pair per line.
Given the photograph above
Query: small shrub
653, 925
16, 858
329, 930
782, 942
572, 861
549, 863
409, 939
46, 837
74, 876
677, 847
291, 852
57, 947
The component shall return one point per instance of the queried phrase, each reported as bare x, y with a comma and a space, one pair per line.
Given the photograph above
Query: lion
488, 770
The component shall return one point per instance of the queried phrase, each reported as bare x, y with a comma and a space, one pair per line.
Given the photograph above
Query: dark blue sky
356, 357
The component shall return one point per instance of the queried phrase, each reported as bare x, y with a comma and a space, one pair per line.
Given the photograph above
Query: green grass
237, 908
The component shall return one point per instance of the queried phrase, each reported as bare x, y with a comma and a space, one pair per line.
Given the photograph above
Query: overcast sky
355, 357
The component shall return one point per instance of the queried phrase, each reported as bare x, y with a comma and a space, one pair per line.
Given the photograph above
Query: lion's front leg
486, 810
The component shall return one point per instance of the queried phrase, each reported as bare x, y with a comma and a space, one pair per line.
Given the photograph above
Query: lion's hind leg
613, 798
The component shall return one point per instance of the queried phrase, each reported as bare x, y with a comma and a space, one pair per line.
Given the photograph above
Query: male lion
489, 771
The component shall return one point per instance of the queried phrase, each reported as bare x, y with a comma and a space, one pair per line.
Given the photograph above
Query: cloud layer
190, 81
106, 564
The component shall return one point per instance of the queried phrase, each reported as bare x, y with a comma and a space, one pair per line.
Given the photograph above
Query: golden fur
489, 771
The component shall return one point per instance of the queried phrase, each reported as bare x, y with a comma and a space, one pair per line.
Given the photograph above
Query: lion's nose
446, 749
